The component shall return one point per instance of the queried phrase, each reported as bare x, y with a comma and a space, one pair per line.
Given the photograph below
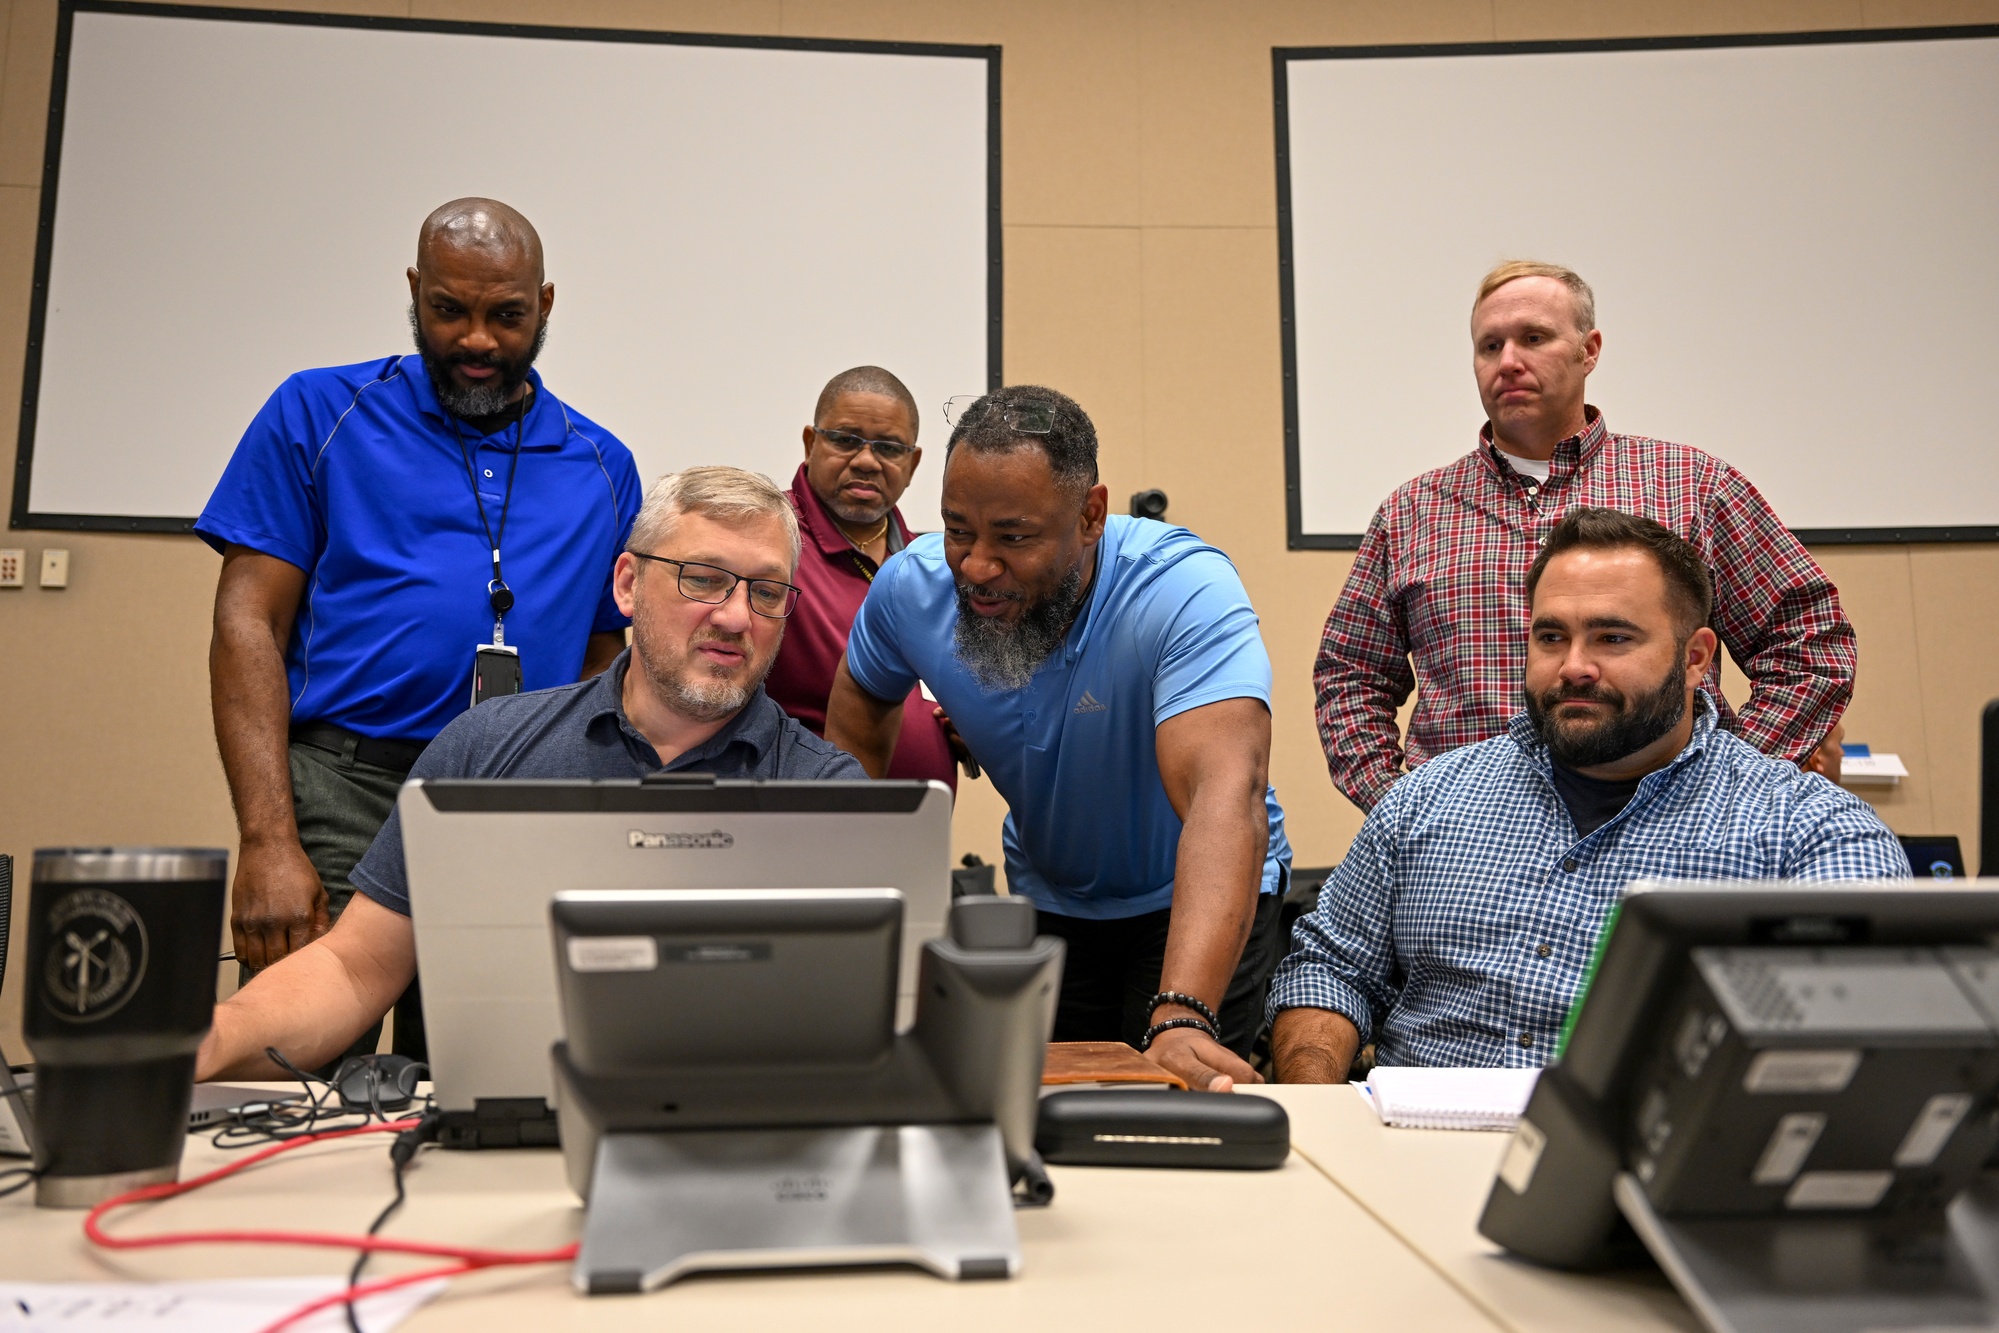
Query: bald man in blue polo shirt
378, 523
1108, 674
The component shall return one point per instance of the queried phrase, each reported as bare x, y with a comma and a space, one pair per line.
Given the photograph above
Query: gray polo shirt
581, 731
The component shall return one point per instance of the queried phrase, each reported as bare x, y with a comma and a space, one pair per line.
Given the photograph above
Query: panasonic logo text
717, 840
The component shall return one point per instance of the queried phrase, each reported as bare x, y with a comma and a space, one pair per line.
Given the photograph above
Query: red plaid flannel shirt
1440, 578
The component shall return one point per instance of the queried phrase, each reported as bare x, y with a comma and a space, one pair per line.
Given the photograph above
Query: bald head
479, 304
483, 227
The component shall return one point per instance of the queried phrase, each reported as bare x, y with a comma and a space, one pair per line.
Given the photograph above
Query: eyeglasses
714, 585
1021, 418
846, 442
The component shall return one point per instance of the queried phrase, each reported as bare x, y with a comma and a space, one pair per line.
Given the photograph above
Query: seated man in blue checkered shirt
1458, 929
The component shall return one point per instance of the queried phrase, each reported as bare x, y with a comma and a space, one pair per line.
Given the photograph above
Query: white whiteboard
726, 226
1792, 246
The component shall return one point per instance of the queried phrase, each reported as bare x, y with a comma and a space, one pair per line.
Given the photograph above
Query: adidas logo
1088, 704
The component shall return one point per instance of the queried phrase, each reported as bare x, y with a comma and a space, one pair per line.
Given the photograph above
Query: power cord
462, 1259
27, 1174
320, 1109
401, 1153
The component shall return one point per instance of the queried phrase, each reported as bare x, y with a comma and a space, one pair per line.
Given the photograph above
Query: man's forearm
304, 1005
1357, 728
862, 725
1217, 877
1313, 1046
601, 650
251, 697
312, 1004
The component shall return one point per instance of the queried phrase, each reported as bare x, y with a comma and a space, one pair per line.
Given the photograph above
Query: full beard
480, 400
1637, 723
1004, 656
683, 687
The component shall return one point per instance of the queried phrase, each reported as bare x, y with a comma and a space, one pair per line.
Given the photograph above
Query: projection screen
728, 222
1790, 239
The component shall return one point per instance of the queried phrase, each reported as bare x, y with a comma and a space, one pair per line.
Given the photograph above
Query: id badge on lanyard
496, 666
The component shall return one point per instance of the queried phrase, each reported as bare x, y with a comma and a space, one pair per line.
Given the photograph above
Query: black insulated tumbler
119, 991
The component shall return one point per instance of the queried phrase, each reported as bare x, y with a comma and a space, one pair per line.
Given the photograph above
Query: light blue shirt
1167, 628
1460, 925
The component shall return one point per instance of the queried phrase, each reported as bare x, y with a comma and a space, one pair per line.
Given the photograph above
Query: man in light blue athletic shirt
1108, 674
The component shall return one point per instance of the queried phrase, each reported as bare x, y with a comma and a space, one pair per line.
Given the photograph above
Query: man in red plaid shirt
1437, 585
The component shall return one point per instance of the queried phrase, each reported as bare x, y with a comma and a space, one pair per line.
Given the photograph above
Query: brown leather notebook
1101, 1062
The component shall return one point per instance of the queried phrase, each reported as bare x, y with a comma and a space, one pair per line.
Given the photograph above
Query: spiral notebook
1411, 1098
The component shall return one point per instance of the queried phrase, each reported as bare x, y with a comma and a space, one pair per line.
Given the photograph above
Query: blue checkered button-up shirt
1458, 928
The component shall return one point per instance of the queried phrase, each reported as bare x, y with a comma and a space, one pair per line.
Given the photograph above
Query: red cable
467, 1259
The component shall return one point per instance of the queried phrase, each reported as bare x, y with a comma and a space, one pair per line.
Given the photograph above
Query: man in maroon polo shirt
860, 452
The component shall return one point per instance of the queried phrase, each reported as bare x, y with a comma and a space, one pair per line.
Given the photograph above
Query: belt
399, 756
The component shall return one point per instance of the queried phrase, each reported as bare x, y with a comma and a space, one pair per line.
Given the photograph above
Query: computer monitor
1933, 855
485, 857
1754, 1049
750, 977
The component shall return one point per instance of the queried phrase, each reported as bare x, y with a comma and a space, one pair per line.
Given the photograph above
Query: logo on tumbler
97, 955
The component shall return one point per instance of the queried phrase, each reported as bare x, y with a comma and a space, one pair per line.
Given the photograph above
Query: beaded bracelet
1186, 1001
1145, 1042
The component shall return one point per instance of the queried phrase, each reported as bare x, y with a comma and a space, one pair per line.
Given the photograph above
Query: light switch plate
55, 568
13, 569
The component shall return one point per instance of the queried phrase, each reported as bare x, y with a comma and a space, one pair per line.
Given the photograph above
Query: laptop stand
908, 1159
665, 1205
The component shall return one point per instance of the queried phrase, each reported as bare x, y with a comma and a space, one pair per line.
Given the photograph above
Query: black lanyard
497, 592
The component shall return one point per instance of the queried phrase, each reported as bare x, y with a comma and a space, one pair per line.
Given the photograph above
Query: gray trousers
341, 804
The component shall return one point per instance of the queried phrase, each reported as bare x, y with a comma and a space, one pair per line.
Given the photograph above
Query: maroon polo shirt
834, 579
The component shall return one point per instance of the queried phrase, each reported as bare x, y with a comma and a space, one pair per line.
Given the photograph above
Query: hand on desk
1204, 1063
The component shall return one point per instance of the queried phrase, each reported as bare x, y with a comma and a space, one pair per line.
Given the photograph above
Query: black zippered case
1165, 1127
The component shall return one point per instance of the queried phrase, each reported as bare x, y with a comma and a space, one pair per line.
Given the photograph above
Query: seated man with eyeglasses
860, 453
705, 578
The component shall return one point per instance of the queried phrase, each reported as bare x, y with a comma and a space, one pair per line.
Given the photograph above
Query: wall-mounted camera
1149, 504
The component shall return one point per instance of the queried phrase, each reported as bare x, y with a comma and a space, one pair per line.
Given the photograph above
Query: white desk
1119, 1249
1428, 1188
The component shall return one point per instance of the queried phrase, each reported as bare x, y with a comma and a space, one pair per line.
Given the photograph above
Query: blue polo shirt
1167, 628
354, 474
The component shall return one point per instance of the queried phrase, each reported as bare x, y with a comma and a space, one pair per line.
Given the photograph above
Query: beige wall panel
1068, 89
1887, 712
1553, 20
107, 738
24, 91
1072, 323
1926, 13
975, 824
1956, 595
1215, 445
1209, 151
7, 8
755, 17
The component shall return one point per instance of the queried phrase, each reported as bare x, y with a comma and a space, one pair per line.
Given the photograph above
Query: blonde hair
721, 493
1580, 296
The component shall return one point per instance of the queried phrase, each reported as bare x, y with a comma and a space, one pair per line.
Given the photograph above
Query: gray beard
710, 702
1005, 657
694, 699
